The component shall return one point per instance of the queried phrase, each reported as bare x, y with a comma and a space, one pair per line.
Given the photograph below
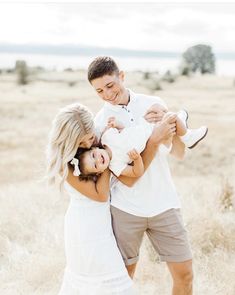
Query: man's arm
161, 132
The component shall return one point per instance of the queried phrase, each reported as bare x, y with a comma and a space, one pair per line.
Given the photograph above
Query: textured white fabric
122, 142
93, 262
154, 192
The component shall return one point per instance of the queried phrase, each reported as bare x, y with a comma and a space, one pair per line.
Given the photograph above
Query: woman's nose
87, 145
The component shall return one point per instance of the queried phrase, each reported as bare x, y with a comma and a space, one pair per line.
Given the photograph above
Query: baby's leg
190, 137
168, 141
181, 128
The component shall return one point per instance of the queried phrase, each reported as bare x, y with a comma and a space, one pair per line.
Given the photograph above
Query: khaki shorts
165, 231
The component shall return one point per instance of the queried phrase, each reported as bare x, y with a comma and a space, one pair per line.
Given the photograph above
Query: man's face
110, 88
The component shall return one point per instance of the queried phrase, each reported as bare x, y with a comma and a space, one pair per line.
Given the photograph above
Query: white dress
94, 265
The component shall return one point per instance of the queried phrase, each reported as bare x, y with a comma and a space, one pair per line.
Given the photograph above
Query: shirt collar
118, 108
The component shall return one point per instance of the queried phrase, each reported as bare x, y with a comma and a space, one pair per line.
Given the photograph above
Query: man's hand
155, 113
164, 129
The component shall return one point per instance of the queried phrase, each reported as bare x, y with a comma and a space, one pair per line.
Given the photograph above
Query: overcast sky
150, 26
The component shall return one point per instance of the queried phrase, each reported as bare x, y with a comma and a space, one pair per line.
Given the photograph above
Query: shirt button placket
130, 116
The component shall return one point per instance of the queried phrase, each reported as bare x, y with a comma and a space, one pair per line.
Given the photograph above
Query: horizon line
71, 49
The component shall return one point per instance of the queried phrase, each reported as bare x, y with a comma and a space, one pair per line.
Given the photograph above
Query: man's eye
109, 86
99, 91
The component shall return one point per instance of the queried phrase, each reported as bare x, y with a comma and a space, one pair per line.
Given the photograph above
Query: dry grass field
31, 215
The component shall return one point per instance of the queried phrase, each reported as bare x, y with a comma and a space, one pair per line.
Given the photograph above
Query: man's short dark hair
100, 66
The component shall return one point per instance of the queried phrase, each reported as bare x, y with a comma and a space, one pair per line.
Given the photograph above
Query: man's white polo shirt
154, 192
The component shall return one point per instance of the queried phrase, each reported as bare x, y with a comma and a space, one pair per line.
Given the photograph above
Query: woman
94, 264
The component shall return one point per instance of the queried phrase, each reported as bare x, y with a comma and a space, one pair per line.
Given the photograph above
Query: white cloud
151, 26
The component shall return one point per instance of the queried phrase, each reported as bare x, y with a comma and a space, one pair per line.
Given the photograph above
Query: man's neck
126, 97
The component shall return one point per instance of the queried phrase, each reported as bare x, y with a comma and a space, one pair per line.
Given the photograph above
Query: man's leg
167, 233
182, 275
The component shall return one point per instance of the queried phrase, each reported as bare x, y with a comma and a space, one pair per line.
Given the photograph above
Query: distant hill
70, 49
81, 50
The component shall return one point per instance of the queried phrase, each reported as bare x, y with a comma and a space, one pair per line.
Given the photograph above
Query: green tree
199, 58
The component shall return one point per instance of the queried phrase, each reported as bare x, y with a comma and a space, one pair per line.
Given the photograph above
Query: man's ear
121, 75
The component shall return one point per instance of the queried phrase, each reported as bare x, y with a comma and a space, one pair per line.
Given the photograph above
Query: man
151, 205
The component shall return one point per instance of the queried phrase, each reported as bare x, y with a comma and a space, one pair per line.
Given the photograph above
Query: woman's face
87, 140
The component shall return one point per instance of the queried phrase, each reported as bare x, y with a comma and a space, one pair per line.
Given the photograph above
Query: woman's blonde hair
70, 125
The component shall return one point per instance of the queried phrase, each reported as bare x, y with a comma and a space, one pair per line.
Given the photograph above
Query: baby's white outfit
120, 143
94, 265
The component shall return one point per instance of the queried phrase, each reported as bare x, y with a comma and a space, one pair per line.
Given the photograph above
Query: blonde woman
94, 265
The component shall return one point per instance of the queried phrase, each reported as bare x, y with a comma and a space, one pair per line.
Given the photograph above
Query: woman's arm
97, 191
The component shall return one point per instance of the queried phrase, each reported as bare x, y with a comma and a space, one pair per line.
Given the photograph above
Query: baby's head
90, 162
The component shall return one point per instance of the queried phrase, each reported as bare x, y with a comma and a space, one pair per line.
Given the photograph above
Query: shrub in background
168, 77
22, 71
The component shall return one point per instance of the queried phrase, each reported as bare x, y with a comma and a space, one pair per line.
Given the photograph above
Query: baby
121, 147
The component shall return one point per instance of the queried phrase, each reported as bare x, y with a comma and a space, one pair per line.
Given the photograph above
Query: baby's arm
137, 169
113, 123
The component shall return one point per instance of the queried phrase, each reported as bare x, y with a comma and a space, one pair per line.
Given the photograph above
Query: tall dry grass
31, 215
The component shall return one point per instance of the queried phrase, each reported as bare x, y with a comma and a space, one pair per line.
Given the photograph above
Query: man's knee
182, 273
185, 275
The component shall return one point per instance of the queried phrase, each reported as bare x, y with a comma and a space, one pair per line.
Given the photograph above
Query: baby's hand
114, 123
133, 154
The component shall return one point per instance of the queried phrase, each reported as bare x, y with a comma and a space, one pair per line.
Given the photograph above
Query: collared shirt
154, 192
